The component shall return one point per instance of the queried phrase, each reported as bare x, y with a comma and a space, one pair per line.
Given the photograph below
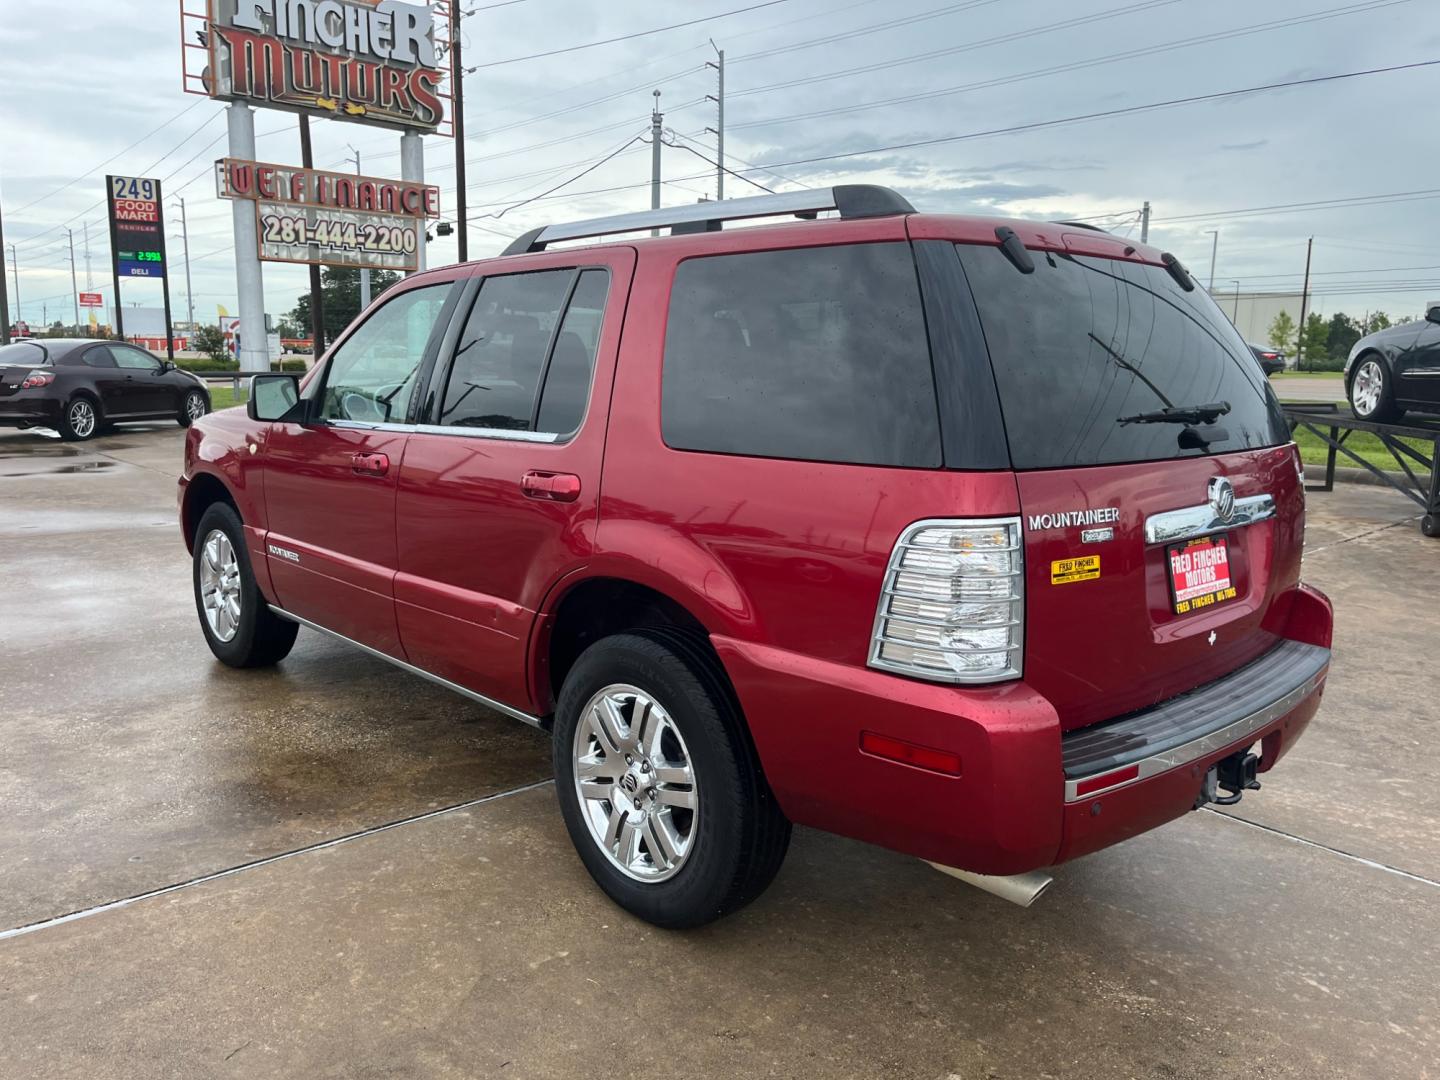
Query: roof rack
852, 200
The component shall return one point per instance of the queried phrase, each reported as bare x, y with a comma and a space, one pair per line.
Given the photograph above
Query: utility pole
1304, 305
74, 281
457, 105
1145, 223
656, 118
15, 267
1214, 250
1235, 317
365, 274
89, 275
719, 129
4, 298
317, 296
189, 294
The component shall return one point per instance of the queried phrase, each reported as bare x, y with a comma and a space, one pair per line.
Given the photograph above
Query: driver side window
372, 377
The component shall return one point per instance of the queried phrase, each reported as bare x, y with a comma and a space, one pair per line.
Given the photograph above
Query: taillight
37, 379
953, 605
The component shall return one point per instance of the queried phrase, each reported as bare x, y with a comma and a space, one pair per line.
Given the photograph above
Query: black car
79, 386
1396, 369
1272, 361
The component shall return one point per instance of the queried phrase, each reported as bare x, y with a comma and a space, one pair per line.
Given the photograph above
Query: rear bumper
22, 410
1021, 800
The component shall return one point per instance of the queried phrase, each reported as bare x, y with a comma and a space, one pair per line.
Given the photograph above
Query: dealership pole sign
332, 219
379, 62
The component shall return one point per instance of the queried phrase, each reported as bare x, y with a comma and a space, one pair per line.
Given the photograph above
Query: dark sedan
1272, 361
1396, 369
78, 387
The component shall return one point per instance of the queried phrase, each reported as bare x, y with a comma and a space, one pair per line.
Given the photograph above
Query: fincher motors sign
359, 60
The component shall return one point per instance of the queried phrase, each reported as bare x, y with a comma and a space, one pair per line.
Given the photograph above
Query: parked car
79, 386
977, 540
1272, 361
1396, 369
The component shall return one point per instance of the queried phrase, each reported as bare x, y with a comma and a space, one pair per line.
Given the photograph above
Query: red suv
978, 540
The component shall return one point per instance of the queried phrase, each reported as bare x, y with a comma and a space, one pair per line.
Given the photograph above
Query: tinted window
133, 358
501, 355
372, 376
817, 354
98, 357
567, 379
1083, 344
22, 354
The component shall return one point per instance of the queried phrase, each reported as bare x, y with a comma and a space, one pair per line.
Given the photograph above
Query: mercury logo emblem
1222, 499
630, 783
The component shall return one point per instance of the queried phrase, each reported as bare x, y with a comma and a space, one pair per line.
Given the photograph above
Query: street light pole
1235, 317
1214, 250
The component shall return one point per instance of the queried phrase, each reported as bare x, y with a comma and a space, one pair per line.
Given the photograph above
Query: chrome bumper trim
1206, 744
1195, 521
489, 703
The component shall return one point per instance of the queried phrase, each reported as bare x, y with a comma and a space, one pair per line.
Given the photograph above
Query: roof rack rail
852, 200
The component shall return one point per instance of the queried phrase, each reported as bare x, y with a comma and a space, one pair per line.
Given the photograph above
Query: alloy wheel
220, 585
195, 405
82, 418
636, 783
1366, 389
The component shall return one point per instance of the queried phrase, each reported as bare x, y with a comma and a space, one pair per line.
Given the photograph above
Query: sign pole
457, 104
115, 267
317, 292
412, 168
169, 326
249, 280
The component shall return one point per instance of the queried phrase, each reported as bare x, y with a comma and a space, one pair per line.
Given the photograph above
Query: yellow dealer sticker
1085, 568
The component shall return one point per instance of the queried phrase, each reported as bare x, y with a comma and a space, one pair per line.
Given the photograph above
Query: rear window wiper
1180, 414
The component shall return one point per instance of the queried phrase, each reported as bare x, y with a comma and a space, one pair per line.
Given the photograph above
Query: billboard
383, 63
137, 226
92, 300
331, 219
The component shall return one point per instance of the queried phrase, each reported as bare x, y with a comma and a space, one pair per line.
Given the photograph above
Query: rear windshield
1084, 345
22, 354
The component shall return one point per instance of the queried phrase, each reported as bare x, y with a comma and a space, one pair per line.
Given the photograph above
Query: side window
99, 356
372, 376
133, 359
815, 354
501, 357
572, 365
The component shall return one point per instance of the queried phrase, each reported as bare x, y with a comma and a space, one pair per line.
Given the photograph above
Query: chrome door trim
1193, 521
487, 433
1206, 744
366, 425
489, 703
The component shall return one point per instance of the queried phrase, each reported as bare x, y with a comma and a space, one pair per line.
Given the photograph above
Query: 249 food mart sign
334, 219
378, 62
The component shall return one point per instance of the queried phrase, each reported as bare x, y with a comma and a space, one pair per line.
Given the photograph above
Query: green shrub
288, 365
206, 364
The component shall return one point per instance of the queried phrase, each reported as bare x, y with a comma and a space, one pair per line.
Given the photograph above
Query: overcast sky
99, 90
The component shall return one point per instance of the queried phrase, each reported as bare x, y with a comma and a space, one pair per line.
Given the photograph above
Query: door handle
370, 464
552, 487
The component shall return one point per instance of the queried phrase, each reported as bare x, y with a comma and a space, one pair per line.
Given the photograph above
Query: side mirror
166, 367
1433, 315
274, 397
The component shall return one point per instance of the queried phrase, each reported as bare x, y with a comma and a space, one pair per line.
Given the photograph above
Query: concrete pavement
471, 943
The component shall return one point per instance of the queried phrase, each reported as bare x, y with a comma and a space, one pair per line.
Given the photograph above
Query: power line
934, 13
1318, 204
566, 183
625, 37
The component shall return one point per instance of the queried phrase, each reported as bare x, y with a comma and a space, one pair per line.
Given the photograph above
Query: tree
210, 341
1314, 342
1344, 332
340, 291
1282, 332
1377, 320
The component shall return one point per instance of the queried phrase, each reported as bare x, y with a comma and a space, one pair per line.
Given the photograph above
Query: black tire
1430, 525
81, 419
260, 638
1385, 411
187, 416
740, 835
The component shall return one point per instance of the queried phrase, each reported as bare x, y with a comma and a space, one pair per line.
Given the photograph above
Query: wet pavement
468, 943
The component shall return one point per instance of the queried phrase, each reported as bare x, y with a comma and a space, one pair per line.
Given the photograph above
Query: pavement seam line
1361, 536
1322, 847
268, 860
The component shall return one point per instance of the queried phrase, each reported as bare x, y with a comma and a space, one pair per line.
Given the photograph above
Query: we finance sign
359, 60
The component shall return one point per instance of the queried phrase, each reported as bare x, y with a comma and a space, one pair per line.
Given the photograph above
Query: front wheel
661, 792
239, 626
1372, 397
192, 408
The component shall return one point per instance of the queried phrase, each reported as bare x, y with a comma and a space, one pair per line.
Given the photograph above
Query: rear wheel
661, 792
1372, 397
80, 420
192, 408
239, 626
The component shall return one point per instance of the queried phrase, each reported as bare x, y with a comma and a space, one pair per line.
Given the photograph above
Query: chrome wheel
195, 405
82, 418
636, 784
1366, 389
220, 586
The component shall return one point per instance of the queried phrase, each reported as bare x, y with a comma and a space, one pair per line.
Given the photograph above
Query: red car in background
976, 539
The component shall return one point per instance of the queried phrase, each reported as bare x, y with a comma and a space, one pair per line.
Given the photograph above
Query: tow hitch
1235, 775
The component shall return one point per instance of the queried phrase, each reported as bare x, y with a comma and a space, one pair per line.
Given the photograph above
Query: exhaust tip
1021, 890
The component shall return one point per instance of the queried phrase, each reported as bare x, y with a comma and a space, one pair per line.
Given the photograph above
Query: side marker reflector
922, 757
1105, 780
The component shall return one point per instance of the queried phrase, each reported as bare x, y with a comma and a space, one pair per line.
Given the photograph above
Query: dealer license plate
1200, 574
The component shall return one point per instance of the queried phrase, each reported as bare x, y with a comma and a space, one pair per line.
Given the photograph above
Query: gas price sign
137, 226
